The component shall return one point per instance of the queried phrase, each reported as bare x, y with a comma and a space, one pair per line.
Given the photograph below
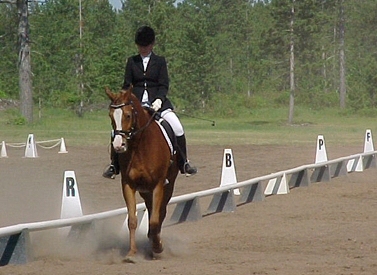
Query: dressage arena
325, 228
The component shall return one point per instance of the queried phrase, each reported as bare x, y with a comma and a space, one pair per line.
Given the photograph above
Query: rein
132, 131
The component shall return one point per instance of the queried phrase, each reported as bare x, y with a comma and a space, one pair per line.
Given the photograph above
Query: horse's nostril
121, 149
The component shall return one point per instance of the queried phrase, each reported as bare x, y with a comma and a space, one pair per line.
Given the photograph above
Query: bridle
129, 134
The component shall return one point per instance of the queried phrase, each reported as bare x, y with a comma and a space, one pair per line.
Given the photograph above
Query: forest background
225, 57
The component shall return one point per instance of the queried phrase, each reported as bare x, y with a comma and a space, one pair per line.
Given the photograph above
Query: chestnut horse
147, 164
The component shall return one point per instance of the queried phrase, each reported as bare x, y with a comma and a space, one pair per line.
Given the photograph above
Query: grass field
259, 127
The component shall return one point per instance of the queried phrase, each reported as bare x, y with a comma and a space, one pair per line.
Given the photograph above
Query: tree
76, 60
220, 53
342, 57
292, 68
9, 86
24, 62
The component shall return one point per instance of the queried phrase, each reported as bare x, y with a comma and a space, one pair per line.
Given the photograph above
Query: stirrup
189, 170
110, 172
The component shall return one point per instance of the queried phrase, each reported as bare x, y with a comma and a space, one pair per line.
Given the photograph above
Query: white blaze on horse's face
118, 143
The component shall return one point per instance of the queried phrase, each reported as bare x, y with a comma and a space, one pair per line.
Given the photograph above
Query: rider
148, 74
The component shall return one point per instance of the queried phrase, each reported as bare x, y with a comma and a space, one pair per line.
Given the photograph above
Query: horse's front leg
130, 198
155, 222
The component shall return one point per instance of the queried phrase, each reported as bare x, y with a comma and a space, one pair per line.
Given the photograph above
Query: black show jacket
154, 79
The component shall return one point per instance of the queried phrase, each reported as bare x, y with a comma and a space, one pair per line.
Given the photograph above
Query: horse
147, 164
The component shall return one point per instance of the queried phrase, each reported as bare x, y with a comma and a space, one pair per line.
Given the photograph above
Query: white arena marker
355, 165
31, 148
321, 154
283, 187
368, 143
142, 229
63, 149
228, 172
277, 186
71, 204
143, 224
3, 150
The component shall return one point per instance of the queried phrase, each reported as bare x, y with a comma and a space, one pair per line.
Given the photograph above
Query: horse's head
123, 117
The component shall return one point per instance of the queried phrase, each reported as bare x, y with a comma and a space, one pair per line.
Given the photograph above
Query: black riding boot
184, 165
113, 169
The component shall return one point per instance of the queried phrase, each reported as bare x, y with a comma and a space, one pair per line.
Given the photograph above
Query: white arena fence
31, 146
14, 240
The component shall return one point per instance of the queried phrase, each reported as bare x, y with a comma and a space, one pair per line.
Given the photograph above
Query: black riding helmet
144, 36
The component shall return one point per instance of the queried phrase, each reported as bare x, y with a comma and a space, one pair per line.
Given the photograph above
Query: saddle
167, 131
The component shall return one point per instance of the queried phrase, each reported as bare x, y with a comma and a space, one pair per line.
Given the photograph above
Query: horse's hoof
129, 260
158, 248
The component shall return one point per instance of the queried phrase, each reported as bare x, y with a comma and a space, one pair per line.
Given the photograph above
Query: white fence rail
368, 158
223, 198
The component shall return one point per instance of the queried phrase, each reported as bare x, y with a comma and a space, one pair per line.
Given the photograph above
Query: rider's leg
113, 169
177, 127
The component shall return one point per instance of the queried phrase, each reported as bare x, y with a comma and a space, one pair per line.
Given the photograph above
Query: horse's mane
131, 97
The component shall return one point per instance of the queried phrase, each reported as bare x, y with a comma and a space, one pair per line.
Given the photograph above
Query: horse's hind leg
155, 221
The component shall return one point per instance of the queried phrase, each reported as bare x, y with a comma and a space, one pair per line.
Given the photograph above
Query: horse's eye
128, 116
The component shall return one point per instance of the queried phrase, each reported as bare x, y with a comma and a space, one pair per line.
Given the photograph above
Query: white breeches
174, 122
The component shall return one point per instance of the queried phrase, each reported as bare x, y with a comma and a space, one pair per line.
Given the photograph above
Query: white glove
156, 105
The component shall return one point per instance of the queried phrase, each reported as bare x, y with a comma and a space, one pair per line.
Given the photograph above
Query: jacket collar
139, 61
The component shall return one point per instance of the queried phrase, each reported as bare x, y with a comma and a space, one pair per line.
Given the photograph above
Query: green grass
259, 127
269, 126
92, 129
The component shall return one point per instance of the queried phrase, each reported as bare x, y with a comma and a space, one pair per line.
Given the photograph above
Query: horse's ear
109, 93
